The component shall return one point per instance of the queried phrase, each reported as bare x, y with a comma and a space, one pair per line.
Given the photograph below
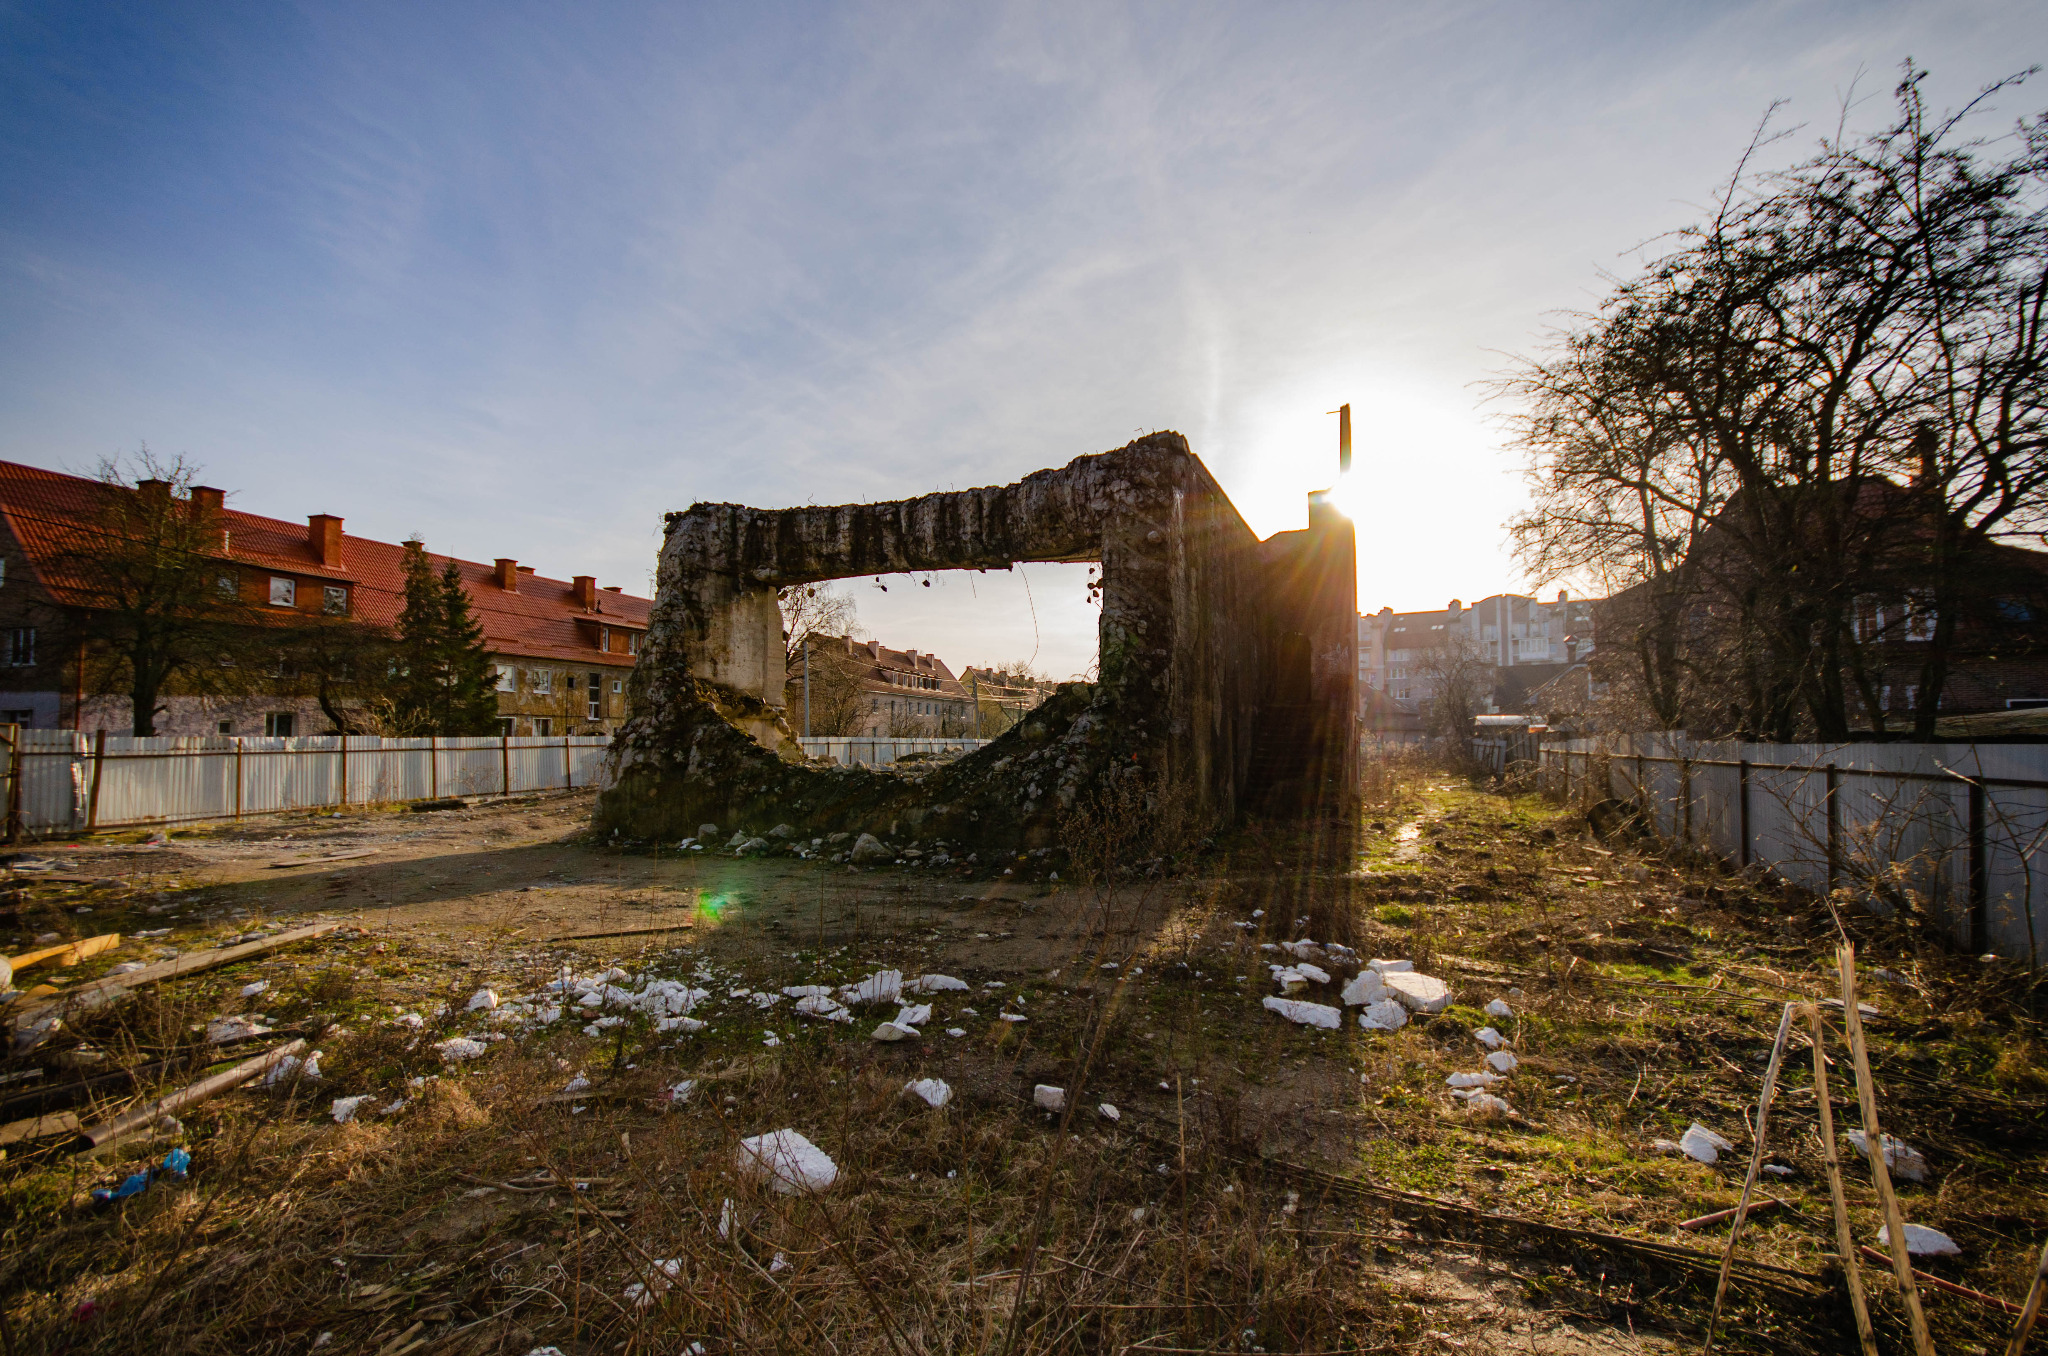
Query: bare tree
158, 609
1830, 392
1460, 685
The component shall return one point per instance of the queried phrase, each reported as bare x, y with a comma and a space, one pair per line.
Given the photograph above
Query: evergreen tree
444, 684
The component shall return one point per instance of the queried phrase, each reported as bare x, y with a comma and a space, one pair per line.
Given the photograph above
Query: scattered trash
787, 1161
1499, 1009
1922, 1241
126, 968
1702, 1144
824, 1008
935, 1091
1489, 1038
1383, 968
1777, 1169
1474, 1080
1109, 1112
916, 1015
1049, 1098
223, 1030
483, 1000
1385, 1015
1305, 1014
680, 1093
956, 1031
577, 1084
1011, 1016
177, 1163
345, 1108
645, 1293
458, 1048
884, 986
1422, 993
935, 984
290, 1067
1900, 1158
1487, 1106
251, 990
1290, 979
890, 1031
1500, 1061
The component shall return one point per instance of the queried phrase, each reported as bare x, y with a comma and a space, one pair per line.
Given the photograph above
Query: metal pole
1979, 873
99, 761
14, 783
807, 686
1834, 827
434, 767
344, 767
568, 766
505, 762
1343, 440
1742, 798
238, 776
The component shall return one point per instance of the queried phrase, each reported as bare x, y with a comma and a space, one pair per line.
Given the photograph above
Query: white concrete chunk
1421, 993
787, 1162
1306, 1014
1385, 1015
1365, 987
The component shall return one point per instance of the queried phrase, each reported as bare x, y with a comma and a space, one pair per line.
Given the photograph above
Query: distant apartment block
1526, 642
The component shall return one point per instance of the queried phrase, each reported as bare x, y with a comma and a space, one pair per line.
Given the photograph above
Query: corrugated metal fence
65, 781
1960, 826
874, 751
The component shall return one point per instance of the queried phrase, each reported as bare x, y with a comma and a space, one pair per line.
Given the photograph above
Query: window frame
334, 600
286, 586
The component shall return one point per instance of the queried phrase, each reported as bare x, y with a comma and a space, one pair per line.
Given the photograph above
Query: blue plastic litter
176, 1164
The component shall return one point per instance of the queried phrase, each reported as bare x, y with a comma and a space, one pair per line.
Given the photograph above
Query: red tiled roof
49, 512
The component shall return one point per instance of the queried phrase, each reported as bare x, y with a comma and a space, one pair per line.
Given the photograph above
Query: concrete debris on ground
1489, 1038
1385, 1015
1900, 1158
914, 1015
1421, 993
1500, 1061
1702, 1144
1109, 1113
936, 984
483, 1000
1384, 967
291, 1067
891, 1031
1365, 987
1475, 1080
1499, 1009
1049, 1098
1921, 1241
1485, 1105
1306, 1014
883, 986
458, 1048
643, 1294
345, 1108
1289, 978
868, 850
787, 1162
935, 1091
223, 1030
820, 1006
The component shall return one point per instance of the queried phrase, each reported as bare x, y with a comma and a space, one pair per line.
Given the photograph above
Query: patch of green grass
1427, 1168
1395, 915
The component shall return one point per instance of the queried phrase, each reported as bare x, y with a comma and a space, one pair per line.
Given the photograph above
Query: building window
281, 724
618, 686
604, 638
226, 727
543, 680
1919, 620
283, 592
334, 601
508, 678
225, 586
505, 725
596, 691
21, 647
17, 717
543, 725
3, 571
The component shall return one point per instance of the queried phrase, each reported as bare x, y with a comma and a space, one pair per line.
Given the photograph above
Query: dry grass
1220, 1213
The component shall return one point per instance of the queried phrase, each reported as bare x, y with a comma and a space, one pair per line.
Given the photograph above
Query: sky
519, 278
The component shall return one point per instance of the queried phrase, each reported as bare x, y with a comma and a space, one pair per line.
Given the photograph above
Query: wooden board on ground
67, 953
626, 932
102, 990
39, 1127
321, 861
143, 1116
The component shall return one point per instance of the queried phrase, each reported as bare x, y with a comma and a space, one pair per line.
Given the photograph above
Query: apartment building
1525, 641
562, 648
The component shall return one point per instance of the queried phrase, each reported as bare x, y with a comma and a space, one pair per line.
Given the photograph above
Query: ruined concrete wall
1187, 597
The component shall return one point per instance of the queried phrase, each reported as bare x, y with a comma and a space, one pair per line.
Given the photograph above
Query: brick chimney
323, 534
209, 501
586, 591
153, 491
508, 574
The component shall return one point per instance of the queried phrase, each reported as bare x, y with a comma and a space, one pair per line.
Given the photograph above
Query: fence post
505, 762
1834, 827
433, 767
14, 783
1685, 790
568, 766
1742, 804
99, 762
1980, 878
238, 776
344, 768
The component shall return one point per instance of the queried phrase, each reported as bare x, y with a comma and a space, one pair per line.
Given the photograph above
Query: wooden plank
39, 1127
1844, 1241
211, 1086
1946, 1287
321, 861
627, 932
67, 953
102, 990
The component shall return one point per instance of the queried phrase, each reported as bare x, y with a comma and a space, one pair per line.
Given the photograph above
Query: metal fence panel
874, 751
1960, 826
71, 781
